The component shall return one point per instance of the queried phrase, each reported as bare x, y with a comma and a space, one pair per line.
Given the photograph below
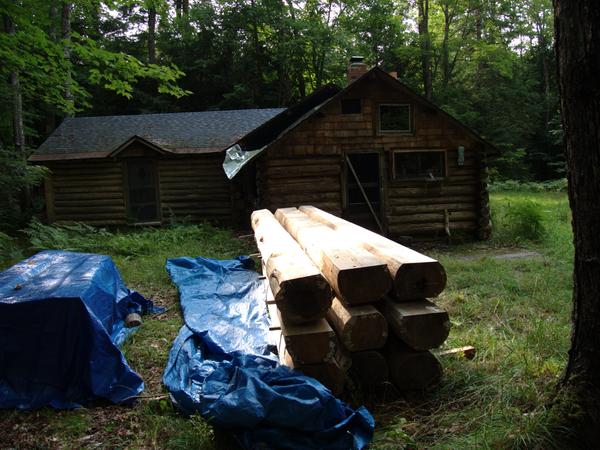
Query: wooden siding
195, 189
306, 165
86, 191
191, 189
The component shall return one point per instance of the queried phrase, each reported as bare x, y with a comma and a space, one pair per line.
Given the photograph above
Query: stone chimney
356, 68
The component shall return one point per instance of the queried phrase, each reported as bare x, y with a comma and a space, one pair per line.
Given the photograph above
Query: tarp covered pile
61, 323
221, 366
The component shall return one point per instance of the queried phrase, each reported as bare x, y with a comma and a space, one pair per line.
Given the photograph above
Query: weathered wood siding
191, 188
88, 191
306, 165
195, 189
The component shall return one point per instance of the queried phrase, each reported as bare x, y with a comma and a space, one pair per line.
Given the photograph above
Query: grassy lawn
515, 312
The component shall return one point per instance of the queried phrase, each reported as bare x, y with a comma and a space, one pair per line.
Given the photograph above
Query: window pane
419, 165
394, 117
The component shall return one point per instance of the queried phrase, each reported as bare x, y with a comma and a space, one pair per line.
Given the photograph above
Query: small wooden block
467, 351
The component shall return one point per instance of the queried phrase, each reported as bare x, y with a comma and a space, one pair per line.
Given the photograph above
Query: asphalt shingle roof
176, 132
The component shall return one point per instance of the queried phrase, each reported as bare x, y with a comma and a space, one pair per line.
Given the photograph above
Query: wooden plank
467, 351
83, 196
301, 292
428, 218
421, 324
358, 328
433, 189
415, 275
423, 228
429, 207
354, 274
307, 161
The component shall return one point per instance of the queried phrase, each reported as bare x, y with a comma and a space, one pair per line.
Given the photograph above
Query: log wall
191, 188
86, 191
307, 165
195, 189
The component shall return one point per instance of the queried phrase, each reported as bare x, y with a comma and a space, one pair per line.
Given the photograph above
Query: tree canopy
488, 62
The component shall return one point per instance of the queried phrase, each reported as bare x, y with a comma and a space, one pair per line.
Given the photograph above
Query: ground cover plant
516, 312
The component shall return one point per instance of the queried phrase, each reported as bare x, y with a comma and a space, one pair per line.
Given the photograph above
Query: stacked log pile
345, 301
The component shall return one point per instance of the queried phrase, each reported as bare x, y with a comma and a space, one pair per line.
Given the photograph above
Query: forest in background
490, 63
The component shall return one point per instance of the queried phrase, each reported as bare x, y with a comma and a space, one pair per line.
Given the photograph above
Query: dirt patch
517, 254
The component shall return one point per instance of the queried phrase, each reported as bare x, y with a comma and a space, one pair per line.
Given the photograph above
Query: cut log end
133, 320
370, 368
303, 299
364, 284
419, 324
414, 281
410, 370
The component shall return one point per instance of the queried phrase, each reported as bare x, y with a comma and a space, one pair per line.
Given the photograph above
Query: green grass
515, 312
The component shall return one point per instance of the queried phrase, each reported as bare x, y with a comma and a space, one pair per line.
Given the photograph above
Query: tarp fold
221, 366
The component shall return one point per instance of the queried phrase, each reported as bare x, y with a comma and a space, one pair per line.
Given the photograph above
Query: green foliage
10, 251
85, 238
559, 185
526, 220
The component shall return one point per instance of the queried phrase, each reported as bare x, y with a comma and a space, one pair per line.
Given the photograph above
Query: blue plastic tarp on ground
61, 324
220, 366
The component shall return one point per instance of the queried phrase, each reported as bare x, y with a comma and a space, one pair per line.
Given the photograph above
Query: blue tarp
61, 323
221, 366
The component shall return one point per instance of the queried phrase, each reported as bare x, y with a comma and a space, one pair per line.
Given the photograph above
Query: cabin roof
191, 132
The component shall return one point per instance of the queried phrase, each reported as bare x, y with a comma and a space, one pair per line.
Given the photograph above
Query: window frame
410, 119
395, 178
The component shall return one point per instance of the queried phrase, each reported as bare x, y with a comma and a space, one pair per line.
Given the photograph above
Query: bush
559, 185
129, 243
525, 220
10, 251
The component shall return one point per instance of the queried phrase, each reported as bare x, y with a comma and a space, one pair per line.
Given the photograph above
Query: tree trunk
65, 28
425, 46
577, 28
17, 100
445, 51
152, 34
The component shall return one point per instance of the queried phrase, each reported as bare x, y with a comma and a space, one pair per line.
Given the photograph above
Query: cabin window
394, 118
429, 165
351, 106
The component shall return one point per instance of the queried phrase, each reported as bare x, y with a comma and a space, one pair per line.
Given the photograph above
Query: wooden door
363, 189
143, 204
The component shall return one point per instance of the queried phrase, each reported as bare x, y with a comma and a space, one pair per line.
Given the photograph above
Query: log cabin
374, 152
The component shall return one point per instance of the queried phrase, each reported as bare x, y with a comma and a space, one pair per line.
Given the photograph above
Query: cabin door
143, 205
363, 185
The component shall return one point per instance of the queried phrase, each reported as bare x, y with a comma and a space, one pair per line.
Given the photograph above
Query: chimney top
356, 68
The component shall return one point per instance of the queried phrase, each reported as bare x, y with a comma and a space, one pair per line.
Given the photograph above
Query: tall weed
130, 243
526, 220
